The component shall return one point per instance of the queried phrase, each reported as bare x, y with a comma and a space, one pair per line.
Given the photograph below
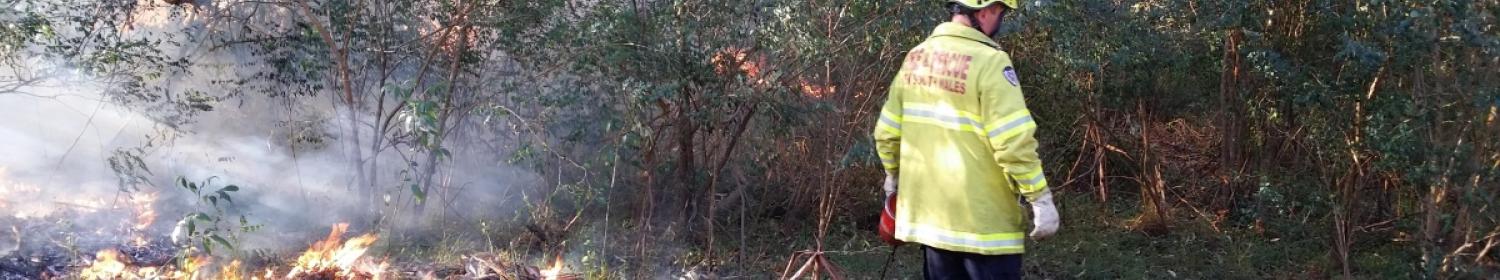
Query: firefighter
955, 134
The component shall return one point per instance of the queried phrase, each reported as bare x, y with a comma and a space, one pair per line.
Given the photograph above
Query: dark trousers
943, 264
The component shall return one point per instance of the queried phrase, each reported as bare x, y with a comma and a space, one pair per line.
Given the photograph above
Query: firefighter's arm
888, 132
887, 136
1010, 128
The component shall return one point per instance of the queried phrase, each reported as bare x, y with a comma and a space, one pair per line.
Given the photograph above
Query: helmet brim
982, 6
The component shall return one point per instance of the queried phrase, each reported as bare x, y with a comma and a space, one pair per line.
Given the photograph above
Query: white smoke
61, 146
58, 137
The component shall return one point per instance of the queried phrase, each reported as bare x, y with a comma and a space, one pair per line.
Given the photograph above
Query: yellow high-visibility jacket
956, 130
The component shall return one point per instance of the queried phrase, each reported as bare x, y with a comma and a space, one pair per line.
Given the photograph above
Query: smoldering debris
55, 246
63, 242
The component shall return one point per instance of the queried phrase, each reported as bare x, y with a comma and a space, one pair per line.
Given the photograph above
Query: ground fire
115, 235
111, 264
333, 259
554, 272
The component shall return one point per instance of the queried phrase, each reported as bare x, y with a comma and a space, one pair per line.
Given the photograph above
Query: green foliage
129, 168
1303, 91
212, 224
65, 41
1389, 91
1352, 112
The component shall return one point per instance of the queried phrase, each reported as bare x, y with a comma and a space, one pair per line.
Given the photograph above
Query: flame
751, 65
816, 91
107, 265
231, 271
139, 241
193, 266
24, 201
555, 272
145, 214
14, 195
343, 258
141, 203
725, 59
111, 264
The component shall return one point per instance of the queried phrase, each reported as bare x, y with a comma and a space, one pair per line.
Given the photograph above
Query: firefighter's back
954, 196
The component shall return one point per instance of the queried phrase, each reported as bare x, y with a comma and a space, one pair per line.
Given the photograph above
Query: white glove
1044, 216
890, 184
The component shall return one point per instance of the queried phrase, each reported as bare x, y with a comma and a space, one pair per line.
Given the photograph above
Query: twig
81, 132
887, 265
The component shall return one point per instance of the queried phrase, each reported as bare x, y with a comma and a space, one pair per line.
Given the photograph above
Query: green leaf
416, 192
230, 188
221, 240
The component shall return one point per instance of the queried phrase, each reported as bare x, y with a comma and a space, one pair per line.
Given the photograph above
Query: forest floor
1096, 243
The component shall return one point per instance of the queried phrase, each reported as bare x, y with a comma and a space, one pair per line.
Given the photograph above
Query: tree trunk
1231, 123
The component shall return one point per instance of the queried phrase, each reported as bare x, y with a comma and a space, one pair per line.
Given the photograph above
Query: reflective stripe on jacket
957, 130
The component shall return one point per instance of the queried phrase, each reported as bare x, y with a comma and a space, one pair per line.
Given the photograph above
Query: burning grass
330, 258
111, 264
73, 248
117, 236
46, 234
107, 242
333, 258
